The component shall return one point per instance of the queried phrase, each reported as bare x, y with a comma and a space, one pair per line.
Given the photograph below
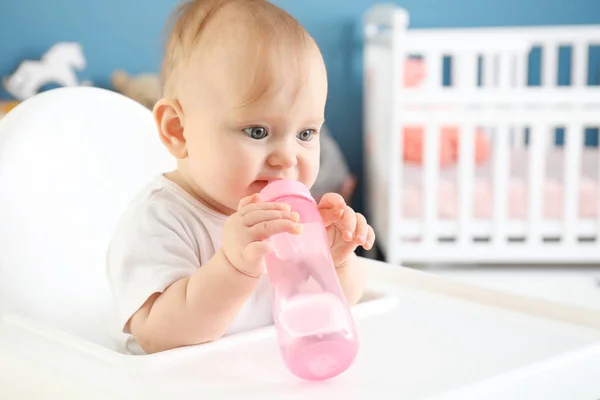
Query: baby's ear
168, 115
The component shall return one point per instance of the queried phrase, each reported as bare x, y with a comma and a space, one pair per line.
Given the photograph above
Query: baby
244, 91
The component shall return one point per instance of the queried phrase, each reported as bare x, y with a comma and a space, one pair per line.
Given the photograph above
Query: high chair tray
422, 337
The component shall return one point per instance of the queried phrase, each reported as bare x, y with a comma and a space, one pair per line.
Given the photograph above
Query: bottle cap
285, 187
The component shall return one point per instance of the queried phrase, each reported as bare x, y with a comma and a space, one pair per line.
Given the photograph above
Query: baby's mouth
261, 183
266, 181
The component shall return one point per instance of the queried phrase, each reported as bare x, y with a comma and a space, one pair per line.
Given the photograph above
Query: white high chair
70, 161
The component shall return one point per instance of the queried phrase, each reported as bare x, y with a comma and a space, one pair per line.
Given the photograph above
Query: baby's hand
246, 231
346, 229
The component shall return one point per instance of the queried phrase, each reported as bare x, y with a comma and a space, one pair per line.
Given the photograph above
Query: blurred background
128, 35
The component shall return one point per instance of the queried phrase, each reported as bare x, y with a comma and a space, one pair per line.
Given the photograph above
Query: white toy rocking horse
57, 66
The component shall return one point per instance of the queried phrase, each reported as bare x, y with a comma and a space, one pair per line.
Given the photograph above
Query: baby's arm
352, 277
193, 310
201, 307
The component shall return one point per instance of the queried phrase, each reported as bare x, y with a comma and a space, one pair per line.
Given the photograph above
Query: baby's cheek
309, 168
244, 163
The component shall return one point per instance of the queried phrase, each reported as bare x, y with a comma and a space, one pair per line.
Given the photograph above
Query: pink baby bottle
315, 329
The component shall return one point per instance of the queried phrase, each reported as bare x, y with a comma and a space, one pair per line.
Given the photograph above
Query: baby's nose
283, 157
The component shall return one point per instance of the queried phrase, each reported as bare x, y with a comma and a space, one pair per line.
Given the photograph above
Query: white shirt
165, 235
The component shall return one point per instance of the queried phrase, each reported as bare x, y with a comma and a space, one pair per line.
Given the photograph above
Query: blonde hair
275, 31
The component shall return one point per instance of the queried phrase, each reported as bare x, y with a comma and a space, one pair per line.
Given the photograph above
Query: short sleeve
149, 251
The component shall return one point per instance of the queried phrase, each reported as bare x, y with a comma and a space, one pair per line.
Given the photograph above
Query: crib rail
500, 239
488, 90
504, 51
496, 56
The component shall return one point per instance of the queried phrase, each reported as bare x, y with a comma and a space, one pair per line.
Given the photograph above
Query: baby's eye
256, 132
306, 135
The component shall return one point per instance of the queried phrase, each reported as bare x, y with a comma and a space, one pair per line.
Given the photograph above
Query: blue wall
128, 34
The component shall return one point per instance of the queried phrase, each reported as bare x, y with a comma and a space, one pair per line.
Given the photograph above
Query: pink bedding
483, 196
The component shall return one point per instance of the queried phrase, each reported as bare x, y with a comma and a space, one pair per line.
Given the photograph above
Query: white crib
529, 201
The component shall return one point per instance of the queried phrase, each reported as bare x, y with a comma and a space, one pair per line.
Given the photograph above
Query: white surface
503, 105
573, 376
578, 286
441, 336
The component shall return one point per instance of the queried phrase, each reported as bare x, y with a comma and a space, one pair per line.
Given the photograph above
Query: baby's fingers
331, 216
266, 229
347, 225
254, 206
370, 239
255, 251
253, 199
362, 230
258, 216
332, 200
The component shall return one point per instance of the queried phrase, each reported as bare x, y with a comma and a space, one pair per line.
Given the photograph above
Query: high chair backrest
70, 161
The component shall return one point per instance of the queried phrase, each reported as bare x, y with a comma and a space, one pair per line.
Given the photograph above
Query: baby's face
234, 150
